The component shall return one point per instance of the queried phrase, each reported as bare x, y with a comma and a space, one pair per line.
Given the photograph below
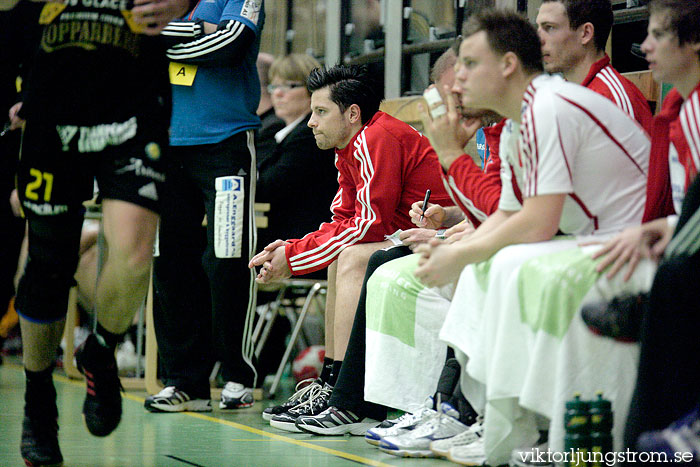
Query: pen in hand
425, 204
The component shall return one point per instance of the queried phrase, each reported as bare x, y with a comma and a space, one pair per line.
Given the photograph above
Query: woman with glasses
299, 180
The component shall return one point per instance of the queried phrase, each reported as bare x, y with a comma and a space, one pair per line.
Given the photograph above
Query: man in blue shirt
203, 289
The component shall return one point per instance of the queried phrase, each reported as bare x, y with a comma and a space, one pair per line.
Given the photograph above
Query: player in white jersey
584, 160
584, 167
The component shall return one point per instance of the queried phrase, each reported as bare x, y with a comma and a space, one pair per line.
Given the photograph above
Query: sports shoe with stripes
316, 403
404, 423
236, 396
416, 443
102, 408
171, 399
442, 446
335, 421
303, 390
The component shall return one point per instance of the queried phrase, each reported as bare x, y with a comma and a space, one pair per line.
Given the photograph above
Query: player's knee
42, 295
351, 259
133, 259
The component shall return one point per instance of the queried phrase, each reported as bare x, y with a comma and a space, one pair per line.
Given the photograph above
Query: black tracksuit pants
201, 300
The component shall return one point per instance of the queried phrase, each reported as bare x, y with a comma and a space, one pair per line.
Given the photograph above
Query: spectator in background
270, 123
296, 206
203, 290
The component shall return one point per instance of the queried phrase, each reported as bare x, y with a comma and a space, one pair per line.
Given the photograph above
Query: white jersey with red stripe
573, 141
511, 169
690, 123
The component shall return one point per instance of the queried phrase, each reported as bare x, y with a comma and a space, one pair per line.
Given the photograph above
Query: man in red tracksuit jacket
384, 165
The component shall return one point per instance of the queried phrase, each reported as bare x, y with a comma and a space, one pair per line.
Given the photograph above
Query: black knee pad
42, 295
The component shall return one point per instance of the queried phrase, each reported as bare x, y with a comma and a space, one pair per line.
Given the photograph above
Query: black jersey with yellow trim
93, 66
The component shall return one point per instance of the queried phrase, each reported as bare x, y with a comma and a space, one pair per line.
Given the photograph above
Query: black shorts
59, 163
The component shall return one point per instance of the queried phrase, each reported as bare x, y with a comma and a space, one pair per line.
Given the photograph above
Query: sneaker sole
459, 461
408, 453
372, 441
516, 463
355, 429
224, 406
267, 416
189, 406
30, 464
440, 452
285, 426
443, 452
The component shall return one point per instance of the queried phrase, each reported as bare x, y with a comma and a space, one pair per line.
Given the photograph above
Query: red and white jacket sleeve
362, 211
475, 191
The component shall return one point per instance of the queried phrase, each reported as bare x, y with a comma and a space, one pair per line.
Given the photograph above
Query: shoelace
305, 388
316, 397
167, 391
409, 419
476, 429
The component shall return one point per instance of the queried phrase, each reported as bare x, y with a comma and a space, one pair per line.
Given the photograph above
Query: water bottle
577, 435
601, 422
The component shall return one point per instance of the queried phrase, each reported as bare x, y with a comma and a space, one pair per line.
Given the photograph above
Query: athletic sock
40, 394
449, 377
327, 369
333, 378
108, 339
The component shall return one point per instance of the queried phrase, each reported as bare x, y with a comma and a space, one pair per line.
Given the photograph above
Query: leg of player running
129, 232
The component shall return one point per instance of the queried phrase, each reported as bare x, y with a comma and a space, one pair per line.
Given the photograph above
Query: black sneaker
316, 403
39, 445
336, 421
102, 408
301, 394
620, 319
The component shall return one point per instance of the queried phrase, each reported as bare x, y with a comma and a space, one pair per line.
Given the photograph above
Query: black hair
597, 12
507, 31
348, 84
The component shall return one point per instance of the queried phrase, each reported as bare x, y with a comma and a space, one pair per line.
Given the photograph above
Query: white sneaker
416, 443
236, 396
471, 454
171, 399
442, 446
401, 425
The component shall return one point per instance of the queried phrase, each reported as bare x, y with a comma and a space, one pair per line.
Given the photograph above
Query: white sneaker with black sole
171, 399
316, 403
236, 396
335, 421
303, 390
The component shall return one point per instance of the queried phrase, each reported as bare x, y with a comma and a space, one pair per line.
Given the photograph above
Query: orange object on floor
9, 319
